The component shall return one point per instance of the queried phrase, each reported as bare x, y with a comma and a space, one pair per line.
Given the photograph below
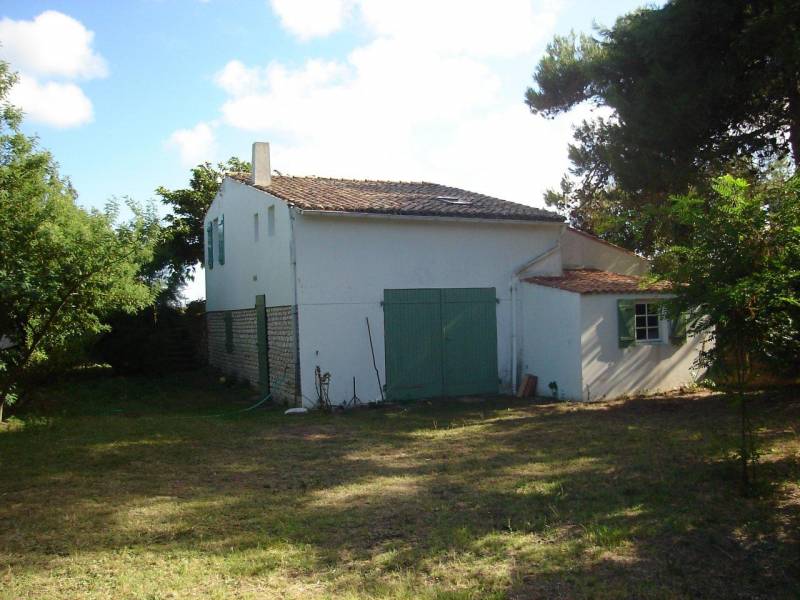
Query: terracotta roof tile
396, 198
594, 281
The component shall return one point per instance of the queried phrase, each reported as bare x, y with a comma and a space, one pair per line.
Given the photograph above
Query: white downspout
514, 280
293, 261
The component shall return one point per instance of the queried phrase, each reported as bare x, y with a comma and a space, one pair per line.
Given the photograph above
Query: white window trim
659, 313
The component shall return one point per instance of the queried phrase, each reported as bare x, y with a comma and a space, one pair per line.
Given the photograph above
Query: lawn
137, 488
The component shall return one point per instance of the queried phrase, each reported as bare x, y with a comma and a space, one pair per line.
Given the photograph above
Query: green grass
132, 488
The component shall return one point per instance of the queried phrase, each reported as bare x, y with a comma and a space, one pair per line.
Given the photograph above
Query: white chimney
261, 170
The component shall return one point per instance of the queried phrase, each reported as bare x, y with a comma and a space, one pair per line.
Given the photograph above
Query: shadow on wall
615, 371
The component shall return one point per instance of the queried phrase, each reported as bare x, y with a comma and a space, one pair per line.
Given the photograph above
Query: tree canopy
62, 268
182, 247
737, 276
693, 89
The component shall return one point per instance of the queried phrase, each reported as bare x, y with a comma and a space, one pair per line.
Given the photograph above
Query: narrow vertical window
255, 227
271, 220
221, 237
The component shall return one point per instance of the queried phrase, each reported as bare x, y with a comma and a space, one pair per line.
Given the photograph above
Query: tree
695, 89
62, 268
182, 247
738, 275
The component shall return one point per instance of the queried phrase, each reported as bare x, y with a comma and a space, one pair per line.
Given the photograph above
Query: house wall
252, 268
345, 262
282, 355
242, 362
581, 250
550, 342
610, 371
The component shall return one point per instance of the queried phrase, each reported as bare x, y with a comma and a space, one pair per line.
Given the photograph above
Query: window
452, 200
255, 227
221, 238
271, 220
647, 322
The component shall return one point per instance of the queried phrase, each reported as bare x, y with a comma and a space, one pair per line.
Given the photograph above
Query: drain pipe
514, 280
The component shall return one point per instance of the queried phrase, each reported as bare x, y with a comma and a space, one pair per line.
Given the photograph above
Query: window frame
652, 308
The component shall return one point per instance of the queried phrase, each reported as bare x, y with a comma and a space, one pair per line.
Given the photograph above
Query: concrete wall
581, 250
251, 268
610, 371
345, 263
550, 341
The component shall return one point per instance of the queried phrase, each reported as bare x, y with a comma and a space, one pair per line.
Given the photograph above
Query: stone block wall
241, 360
282, 351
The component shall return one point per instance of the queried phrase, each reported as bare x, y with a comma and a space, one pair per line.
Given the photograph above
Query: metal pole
374, 364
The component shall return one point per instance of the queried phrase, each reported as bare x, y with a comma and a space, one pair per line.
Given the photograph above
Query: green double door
440, 342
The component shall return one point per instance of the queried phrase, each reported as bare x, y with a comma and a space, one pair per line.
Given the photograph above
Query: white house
452, 292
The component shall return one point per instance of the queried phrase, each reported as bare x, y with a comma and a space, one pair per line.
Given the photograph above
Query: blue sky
128, 95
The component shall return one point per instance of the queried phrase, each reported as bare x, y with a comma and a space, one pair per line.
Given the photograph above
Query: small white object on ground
295, 411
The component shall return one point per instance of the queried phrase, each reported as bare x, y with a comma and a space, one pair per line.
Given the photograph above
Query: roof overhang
406, 217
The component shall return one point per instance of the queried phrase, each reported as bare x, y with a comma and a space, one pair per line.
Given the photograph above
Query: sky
129, 95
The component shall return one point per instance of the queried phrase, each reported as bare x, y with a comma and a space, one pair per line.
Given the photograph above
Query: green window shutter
626, 322
677, 329
228, 331
221, 236
210, 246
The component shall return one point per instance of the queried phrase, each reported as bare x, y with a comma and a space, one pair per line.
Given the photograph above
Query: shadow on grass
629, 499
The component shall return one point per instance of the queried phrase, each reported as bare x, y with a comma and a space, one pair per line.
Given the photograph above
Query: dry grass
122, 488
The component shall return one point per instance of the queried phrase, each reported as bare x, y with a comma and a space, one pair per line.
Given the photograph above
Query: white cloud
238, 80
425, 97
475, 28
478, 28
194, 145
311, 18
52, 44
61, 105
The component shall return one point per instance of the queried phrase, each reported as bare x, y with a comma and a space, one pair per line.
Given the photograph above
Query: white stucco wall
610, 371
550, 342
251, 268
580, 250
345, 263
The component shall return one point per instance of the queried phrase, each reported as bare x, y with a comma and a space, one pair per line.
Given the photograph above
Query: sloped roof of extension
395, 198
594, 281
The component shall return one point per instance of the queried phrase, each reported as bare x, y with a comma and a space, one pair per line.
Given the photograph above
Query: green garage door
440, 342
